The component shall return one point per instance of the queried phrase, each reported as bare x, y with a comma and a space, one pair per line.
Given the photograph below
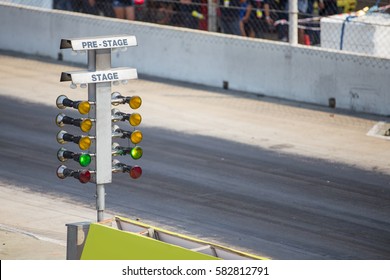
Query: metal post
100, 201
293, 20
100, 94
212, 15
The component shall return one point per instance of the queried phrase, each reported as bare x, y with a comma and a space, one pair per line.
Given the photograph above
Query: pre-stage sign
82, 44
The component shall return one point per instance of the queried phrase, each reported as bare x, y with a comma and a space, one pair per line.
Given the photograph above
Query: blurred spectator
312, 32
267, 11
255, 15
230, 16
165, 12
243, 26
66, 5
306, 34
105, 8
93, 7
327, 7
89, 7
124, 9
282, 19
188, 13
303, 13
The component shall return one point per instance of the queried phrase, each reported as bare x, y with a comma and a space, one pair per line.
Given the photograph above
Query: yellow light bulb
85, 143
135, 119
136, 137
135, 102
86, 125
84, 107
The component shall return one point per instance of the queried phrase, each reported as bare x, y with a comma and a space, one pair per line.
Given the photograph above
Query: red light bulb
84, 176
135, 172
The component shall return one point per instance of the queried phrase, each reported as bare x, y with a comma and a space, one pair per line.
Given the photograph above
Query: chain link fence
361, 26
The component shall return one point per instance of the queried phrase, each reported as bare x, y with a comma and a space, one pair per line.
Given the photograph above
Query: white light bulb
125, 82
73, 86
115, 83
83, 85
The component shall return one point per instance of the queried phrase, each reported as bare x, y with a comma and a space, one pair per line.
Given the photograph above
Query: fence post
212, 15
293, 20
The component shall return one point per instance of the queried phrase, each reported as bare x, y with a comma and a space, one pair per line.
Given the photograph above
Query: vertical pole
212, 15
103, 134
100, 94
293, 20
100, 201
92, 115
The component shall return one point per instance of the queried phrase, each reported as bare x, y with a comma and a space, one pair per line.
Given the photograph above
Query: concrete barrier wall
300, 73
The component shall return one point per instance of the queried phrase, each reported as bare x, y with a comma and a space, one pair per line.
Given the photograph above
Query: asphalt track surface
260, 200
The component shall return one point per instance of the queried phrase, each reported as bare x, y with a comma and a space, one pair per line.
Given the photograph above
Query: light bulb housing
63, 172
82, 106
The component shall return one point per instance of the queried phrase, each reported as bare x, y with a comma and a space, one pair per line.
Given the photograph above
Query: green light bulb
85, 159
136, 152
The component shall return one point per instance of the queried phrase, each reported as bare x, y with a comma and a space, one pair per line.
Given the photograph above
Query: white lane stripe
36, 236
